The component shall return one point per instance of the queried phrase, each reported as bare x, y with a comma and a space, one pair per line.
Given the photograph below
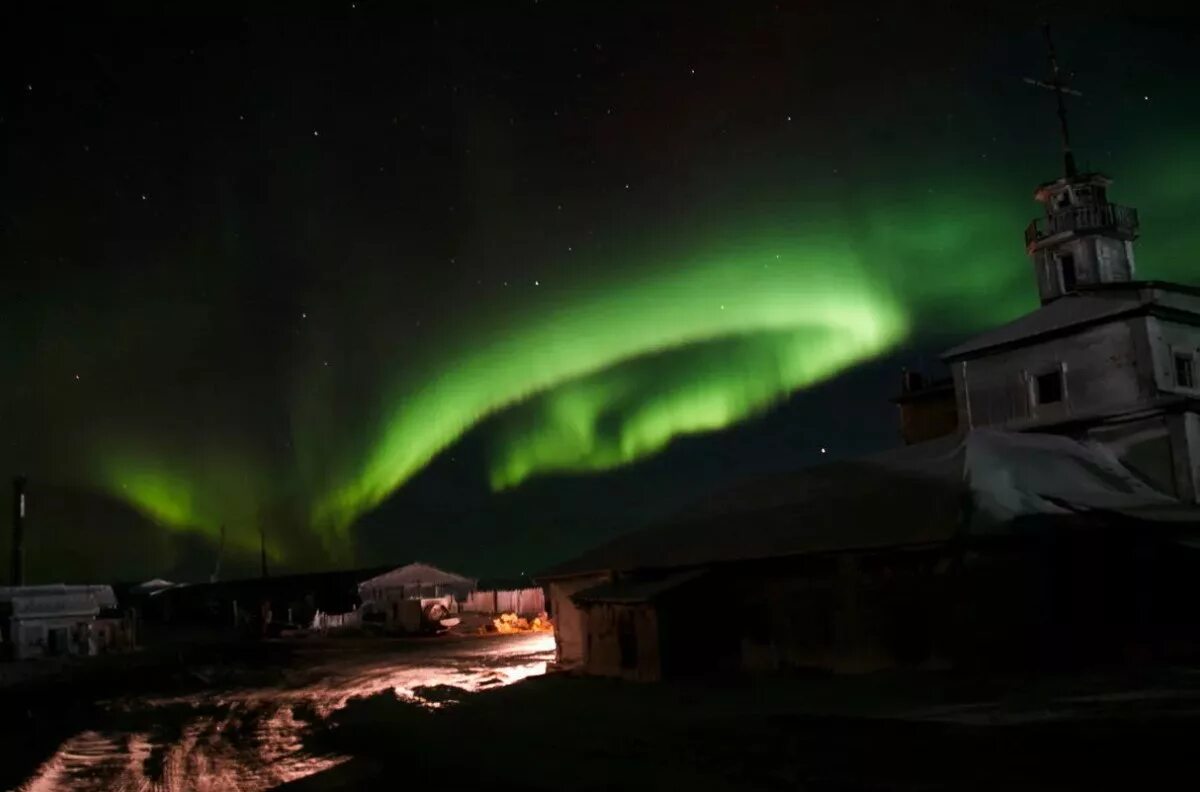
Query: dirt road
237, 738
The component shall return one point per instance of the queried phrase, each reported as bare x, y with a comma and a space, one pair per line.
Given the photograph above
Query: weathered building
413, 596
959, 550
1105, 357
1046, 500
52, 620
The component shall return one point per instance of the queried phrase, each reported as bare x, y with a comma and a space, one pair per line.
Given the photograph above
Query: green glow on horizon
180, 498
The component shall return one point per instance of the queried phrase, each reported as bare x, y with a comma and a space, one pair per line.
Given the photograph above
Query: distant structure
927, 408
55, 620
1106, 357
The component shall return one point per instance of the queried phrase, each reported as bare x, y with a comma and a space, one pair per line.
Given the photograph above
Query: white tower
1083, 239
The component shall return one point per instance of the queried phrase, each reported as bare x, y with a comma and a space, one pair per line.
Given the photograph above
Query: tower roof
1093, 304
1045, 189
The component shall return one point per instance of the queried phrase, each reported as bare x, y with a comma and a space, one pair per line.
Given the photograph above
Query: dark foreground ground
226, 717
883, 732
445, 714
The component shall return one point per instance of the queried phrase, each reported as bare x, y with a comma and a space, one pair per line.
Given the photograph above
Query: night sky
483, 284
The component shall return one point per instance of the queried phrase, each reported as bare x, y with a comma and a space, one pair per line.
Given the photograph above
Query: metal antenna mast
1058, 83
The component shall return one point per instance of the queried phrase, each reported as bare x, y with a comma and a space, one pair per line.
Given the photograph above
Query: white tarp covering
1012, 474
153, 587
906, 496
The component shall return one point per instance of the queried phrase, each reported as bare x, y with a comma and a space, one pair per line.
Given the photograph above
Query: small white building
413, 596
41, 621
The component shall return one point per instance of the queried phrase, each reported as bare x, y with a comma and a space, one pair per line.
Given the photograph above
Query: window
1185, 370
1048, 387
1066, 265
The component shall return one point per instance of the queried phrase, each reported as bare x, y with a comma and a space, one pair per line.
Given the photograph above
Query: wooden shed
627, 634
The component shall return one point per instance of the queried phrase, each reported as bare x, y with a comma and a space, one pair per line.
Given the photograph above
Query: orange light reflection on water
256, 742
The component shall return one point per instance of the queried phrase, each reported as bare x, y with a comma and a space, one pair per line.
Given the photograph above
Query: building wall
1168, 338
570, 621
927, 419
1191, 428
1099, 368
623, 641
1098, 259
1143, 446
847, 613
1164, 450
51, 636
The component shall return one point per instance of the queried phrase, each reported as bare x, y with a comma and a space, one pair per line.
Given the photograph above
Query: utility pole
18, 532
262, 548
216, 574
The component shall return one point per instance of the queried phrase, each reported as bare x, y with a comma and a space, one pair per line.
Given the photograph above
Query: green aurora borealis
590, 376
462, 272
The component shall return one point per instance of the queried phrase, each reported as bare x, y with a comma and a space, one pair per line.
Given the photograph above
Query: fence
332, 621
526, 602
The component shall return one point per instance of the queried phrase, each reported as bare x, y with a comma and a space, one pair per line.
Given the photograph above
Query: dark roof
974, 485
1069, 312
631, 591
1091, 305
866, 503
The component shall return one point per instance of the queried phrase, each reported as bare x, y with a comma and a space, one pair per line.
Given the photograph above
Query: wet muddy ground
236, 722
382, 715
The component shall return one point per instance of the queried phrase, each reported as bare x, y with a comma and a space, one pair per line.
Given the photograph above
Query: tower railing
1122, 220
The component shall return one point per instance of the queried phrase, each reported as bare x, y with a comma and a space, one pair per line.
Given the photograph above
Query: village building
1044, 507
59, 620
987, 547
413, 597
